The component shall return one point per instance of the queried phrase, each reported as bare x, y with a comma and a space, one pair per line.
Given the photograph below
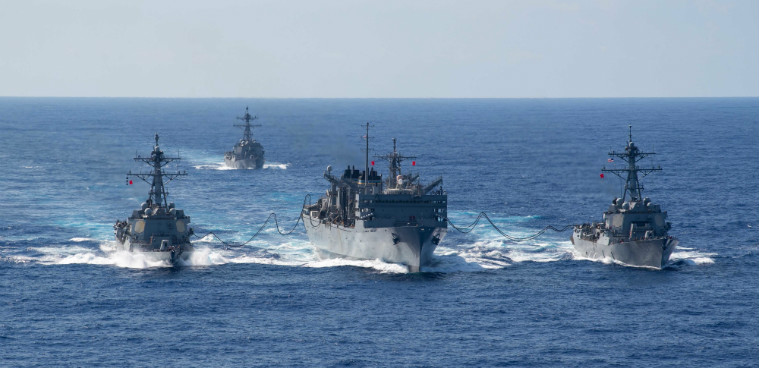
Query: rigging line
276, 223
311, 221
469, 228
232, 245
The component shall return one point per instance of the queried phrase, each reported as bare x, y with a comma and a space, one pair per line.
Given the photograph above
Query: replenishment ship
362, 216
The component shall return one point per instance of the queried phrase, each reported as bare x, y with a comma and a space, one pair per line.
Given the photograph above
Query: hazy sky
379, 48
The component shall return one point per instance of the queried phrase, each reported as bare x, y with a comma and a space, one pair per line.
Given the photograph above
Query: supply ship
362, 216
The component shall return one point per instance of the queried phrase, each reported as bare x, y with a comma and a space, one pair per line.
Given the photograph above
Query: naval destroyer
361, 216
157, 229
247, 153
634, 231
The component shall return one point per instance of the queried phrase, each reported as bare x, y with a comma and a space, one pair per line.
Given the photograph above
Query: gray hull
641, 253
409, 245
180, 252
244, 163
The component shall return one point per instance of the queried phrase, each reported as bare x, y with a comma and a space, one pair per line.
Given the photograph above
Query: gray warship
157, 229
398, 220
247, 153
634, 231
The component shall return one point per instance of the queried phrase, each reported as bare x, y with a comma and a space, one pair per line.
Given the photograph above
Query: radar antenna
632, 155
247, 126
394, 160
157, 161
366, 154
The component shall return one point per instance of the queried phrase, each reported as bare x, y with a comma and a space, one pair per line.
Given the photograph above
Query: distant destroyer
157, 229
247, 153
634, 232
363, 217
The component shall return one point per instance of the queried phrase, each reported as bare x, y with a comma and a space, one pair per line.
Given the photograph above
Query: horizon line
385, 98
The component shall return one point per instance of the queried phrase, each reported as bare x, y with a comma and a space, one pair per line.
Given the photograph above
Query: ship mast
247, 126
632, 155
366, 155
394, 159
157, 161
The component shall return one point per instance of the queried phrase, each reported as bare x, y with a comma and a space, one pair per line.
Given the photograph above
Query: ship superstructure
634, 231
247, 153
362, 216
157, 228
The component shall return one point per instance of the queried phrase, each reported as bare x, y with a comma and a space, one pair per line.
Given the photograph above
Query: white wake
487, 252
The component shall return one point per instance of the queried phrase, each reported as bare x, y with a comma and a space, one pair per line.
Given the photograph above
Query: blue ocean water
67, 299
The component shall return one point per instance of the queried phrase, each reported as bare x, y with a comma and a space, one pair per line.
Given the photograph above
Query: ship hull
256, 163
412, 246
179, 252
640, 253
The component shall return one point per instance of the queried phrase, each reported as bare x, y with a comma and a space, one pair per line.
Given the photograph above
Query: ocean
67, 298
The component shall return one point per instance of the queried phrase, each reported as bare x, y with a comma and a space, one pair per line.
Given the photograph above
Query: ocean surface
68, 299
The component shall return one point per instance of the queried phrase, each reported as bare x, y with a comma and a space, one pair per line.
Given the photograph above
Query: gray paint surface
634, 232
247, 153
362, 216
157, 228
